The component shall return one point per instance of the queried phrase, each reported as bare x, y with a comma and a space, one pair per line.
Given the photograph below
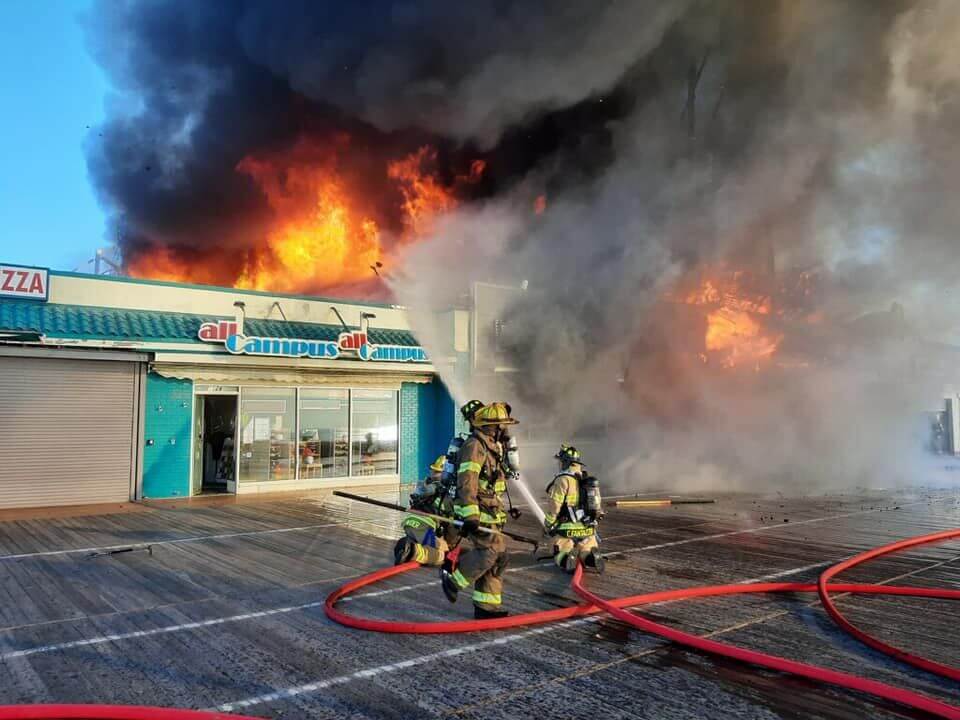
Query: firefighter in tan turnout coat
426, 540
480, 483
573, 512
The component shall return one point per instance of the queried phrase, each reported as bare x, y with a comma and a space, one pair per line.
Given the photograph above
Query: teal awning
81, 322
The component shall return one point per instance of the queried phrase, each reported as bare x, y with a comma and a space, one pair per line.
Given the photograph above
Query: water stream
535, 508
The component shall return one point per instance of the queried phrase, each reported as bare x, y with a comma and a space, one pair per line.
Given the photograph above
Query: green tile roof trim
99, 323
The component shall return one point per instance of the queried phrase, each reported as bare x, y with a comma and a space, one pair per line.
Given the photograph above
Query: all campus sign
353, 343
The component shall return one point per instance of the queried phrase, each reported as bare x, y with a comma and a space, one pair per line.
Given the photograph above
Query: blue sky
51, 91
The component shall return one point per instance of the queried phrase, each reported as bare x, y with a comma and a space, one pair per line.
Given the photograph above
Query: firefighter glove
471, 526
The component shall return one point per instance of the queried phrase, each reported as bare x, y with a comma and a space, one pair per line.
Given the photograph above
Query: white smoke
824, 139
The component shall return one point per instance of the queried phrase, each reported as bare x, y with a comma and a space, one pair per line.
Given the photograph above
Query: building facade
118, 389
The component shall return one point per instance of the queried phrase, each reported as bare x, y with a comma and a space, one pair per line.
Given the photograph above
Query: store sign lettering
354, 343
24, 282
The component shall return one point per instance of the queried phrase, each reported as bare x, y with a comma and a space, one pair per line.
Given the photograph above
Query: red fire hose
824, 591
615, 607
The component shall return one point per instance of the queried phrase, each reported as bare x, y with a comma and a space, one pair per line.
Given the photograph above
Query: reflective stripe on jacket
563, 495
437, 505
480, 480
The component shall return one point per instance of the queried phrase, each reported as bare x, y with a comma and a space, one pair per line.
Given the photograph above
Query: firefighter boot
403, 551
480, 613
595, 561
449, 585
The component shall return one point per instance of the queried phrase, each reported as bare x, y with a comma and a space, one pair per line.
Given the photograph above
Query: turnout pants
483, 565
566, 551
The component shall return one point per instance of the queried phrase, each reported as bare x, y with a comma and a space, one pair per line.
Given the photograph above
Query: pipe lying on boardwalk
659, 503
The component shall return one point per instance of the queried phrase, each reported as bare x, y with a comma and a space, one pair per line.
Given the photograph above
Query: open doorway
214, 448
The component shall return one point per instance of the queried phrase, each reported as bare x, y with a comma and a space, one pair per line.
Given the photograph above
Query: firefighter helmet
438, 463
469, 409
569, 455
493, 414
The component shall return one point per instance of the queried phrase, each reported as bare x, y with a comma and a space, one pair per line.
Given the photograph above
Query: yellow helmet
439, 463
497, 413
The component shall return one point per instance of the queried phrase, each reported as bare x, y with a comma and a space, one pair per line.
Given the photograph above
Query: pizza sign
28, 283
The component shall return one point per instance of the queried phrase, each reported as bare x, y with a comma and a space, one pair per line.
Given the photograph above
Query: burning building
701, 199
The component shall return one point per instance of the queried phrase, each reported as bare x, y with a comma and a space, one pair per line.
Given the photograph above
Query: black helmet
568, 455
469, 409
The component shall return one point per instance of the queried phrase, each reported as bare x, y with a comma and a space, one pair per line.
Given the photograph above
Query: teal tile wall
426, 425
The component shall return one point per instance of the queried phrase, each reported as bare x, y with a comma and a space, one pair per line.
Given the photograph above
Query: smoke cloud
635, 151
802, 143
200, 87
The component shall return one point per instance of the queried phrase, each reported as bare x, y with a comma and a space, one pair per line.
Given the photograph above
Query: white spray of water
518, 482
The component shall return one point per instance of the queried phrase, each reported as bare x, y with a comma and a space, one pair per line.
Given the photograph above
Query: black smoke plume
805, 148
200, 86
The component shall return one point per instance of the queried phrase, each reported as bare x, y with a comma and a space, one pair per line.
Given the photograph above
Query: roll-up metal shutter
67, 431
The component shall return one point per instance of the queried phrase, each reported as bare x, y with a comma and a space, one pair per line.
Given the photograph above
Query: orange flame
738, 337
424, 197
735, 332
163, 263
319, 240
324, 233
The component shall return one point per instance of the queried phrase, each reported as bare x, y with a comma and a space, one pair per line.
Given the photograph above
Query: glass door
228, 460
214, 463
198, 437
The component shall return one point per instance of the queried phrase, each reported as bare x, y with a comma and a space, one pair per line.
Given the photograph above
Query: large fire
424, 198
319, 237
736, 322
161, 263
326, 231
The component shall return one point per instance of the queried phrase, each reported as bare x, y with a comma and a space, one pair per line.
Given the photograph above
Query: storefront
117, 389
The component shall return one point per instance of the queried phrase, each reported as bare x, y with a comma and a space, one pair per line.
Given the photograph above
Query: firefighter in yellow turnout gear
480, 483
427, 540
573, 512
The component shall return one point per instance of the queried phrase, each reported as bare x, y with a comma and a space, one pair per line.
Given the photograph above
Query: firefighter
467, 411
439, 501
573, 512
480, 482
427, 540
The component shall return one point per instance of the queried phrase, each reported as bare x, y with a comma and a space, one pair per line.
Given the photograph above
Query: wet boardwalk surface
225, 611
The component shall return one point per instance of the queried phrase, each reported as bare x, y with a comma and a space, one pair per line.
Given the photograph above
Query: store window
267, 425
375, 432
324, 442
